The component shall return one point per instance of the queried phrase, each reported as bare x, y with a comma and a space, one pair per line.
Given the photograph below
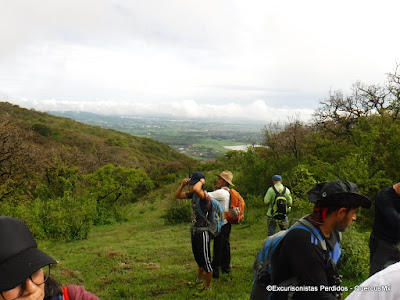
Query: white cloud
187, 109
159, 52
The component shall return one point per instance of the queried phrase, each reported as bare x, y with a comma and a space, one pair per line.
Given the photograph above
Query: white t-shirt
384, 285
222, 195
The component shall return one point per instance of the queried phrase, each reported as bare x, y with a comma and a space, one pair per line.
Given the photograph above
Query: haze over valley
202, 139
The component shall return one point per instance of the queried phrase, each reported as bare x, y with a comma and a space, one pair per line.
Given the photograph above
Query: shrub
112, 187
42, 129
302, 181
355, 256
69, 217
178, 212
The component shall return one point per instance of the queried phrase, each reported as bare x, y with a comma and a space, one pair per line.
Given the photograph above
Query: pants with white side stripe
201, 250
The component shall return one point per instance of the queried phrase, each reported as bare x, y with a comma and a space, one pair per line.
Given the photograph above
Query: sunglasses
38, 278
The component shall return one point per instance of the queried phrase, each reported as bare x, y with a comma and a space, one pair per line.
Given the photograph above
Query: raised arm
179, 194
198, 188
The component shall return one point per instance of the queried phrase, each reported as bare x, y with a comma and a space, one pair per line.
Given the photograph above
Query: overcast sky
258, 59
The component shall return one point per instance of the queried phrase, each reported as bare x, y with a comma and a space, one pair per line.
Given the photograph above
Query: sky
254, 59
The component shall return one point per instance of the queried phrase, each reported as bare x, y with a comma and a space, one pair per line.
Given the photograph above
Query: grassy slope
94, 146
143, 258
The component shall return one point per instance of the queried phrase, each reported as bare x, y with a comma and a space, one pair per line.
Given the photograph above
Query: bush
302, 180
69, 217
42, 129
178, 212
114, 186
355, 256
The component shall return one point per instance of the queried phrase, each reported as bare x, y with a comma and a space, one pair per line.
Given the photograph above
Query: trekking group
300, 261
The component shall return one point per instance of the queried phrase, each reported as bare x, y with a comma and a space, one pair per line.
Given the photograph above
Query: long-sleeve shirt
300, 256
387, 215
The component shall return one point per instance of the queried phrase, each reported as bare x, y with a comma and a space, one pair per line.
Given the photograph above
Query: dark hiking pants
222, 250
382, 254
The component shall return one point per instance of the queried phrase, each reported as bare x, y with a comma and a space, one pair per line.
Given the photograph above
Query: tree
292, 139
394, 90
339, 114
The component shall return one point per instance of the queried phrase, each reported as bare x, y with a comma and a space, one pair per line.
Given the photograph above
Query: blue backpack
214, 217
262, 261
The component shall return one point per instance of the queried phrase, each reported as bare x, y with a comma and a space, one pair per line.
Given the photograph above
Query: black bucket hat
338, 193
19, 255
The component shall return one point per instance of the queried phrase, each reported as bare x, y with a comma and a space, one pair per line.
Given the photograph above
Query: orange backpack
236, 207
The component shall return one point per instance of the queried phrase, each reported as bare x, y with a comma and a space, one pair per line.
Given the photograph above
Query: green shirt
270, 197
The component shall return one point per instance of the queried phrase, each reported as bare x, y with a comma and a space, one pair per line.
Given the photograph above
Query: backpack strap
202, 215
306, 223
291, 281
198, 208
65, 293
278, 194
230, 195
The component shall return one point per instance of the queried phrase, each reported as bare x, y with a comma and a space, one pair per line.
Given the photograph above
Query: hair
332, 209
52, 288
320, 212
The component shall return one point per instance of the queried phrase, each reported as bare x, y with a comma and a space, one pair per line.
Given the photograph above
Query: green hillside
52, 167
90, 147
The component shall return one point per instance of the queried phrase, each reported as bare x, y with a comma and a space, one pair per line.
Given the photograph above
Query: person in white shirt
383, 285
222, 248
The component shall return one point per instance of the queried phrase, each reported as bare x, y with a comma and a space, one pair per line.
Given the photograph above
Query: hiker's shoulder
219, 193
295, 241
298, 235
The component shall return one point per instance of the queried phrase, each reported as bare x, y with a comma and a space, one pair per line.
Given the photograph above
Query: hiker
274, 215
222, 249
200, 237
385, 236
383, 285
300, 260
25, 270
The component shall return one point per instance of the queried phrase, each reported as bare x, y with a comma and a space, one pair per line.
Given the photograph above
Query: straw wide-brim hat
227, 176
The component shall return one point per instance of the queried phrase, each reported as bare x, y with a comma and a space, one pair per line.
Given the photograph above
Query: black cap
195, 178
19, 255
338, 193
